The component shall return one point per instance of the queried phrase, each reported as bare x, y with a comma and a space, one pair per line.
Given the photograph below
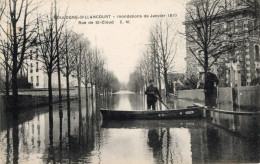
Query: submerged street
86, 138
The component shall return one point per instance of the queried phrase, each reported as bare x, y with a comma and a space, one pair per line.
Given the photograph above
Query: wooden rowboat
189, 112
151, 124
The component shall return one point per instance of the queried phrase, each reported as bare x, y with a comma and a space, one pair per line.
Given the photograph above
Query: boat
151, 124
189, 112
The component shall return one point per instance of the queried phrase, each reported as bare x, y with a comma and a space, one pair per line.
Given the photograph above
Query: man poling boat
153, 95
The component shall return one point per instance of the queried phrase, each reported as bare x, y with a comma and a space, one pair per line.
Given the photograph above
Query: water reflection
76, 133
130, 101
155, 141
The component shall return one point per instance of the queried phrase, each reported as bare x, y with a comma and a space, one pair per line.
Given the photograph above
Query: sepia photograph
129, 81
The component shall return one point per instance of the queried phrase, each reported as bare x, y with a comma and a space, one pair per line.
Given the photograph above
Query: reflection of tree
114, 99
8, 145
155, 141
15, 138
213, 144
136, 101
80, 138
50, 157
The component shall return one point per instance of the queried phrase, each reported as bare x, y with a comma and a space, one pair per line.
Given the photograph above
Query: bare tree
91, 74
68, 59
2, 8
22, 35
58, 43
88, 67
205, 31
79, 48
164, 37
47, 51
5, 63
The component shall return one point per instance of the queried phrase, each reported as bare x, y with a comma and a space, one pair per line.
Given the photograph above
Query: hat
151, 81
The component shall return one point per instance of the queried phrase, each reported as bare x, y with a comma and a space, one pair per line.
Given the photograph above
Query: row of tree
158, 60
57, 47
205, 33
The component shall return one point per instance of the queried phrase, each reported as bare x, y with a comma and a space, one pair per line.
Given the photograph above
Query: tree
68, 59
164, 38
205, 32
22, 36
2, 8
5, 63
79, 48
47, 50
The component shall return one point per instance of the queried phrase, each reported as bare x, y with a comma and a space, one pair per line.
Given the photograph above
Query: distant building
242, 65
38, 77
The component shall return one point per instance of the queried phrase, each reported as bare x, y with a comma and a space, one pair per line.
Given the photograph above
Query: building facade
37, 75
241, 65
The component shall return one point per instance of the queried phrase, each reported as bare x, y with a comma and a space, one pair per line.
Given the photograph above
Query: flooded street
82, 137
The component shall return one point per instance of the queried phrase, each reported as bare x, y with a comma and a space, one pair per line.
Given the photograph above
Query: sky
123, 44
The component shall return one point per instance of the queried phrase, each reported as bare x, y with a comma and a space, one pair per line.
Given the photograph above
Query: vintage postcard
129, 81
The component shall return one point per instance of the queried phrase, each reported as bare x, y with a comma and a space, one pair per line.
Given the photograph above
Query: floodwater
82, 136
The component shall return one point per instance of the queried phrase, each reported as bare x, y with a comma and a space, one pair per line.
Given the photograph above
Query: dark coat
209, 85
151, 93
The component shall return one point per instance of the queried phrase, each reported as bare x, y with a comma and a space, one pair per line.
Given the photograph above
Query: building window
31, 68
32, 79
37, 80
257, 53
36, 54
37, 67
31, 54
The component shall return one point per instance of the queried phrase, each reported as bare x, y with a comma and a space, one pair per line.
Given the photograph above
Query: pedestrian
153, 94
210, 89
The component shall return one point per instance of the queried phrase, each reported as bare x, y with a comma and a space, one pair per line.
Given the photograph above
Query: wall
196, 94
249, 96
225, 95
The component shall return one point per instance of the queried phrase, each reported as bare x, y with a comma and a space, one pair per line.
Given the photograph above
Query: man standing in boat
153, 94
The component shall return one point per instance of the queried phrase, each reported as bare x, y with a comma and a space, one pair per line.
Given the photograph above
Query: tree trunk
68, 86
14, 55
79, 89
86, 80
86, 90
79, 75
58, 53
14, 85
50, 88
67, 73
159, 74
166, 81
6, 81
92, 90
